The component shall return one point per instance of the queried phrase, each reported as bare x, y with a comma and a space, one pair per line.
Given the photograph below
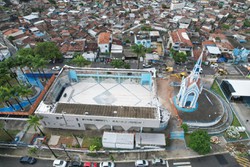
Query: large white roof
241, 87
213, 50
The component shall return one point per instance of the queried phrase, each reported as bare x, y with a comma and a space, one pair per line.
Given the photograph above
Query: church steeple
191, 87
195, 74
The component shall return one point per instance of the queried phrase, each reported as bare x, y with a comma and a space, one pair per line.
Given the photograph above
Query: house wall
145, 42
104, 48
82, 122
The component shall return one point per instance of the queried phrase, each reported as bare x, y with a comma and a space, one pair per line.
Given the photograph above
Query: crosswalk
243, 162
182, 164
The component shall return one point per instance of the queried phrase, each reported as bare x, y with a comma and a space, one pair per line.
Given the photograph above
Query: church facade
191, 87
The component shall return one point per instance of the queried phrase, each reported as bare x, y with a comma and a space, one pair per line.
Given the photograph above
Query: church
191, 87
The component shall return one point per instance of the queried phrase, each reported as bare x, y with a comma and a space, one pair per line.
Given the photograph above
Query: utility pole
12, 138
50, 149
65, 151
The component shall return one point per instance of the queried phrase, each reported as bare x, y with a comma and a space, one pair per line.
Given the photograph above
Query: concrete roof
213, 50
107, 110
241, 87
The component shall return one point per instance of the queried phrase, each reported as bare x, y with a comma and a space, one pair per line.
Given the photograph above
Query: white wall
77, 122
104, 48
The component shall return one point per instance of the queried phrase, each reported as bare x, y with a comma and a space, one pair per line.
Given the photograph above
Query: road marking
242, 161
167, 163
181, 163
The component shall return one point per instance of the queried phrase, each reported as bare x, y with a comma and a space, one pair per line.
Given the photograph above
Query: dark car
75, 162
27, 160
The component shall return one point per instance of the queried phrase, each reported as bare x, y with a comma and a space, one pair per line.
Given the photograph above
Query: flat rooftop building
95, 98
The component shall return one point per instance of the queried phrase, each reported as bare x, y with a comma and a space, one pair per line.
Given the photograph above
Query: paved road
223, 160
14, 162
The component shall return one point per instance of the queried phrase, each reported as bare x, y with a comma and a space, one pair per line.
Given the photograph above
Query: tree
180, 57
5, 96
32, 151
117, 63
80, 61
34, 121
24, 91
10, 64
39, 63
25, 51
140, 51
11, 39
14, 94
184, 127
200, 142
47, 50
246, 23
225, 26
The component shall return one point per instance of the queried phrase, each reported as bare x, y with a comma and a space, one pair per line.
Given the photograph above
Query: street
222, 160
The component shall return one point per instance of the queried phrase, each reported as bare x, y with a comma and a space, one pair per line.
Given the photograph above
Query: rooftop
107, 110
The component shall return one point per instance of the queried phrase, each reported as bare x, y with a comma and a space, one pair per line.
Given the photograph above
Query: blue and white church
191, 88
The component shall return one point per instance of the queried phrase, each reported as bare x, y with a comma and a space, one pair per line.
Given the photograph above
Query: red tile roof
208, 43
103, 38
181, 36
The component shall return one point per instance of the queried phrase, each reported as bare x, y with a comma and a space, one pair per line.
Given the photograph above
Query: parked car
158, 161
76, 162
27, 160
141, 163
56, 68
240, 128
107, 164
146, 65
90, 164
215, 65
59, 163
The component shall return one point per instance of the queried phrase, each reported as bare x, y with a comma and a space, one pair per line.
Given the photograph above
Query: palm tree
80, 61
24, 91
140, 51
14, 94
34, 121
5, 96
4, 78
39, 63
10, 63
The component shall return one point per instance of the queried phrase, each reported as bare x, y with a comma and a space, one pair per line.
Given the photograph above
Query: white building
4, 52
82, 99
191, 87
104, 42
177, 4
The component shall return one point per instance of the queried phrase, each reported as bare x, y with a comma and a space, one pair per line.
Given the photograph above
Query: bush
184, 127
200, 142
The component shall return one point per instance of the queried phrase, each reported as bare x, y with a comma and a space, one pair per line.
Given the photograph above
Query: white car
56, 68
107, 164
59, 163
215, 65
240, 128
158, 161
141, 163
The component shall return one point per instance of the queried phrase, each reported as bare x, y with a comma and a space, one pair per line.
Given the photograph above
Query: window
79, 125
